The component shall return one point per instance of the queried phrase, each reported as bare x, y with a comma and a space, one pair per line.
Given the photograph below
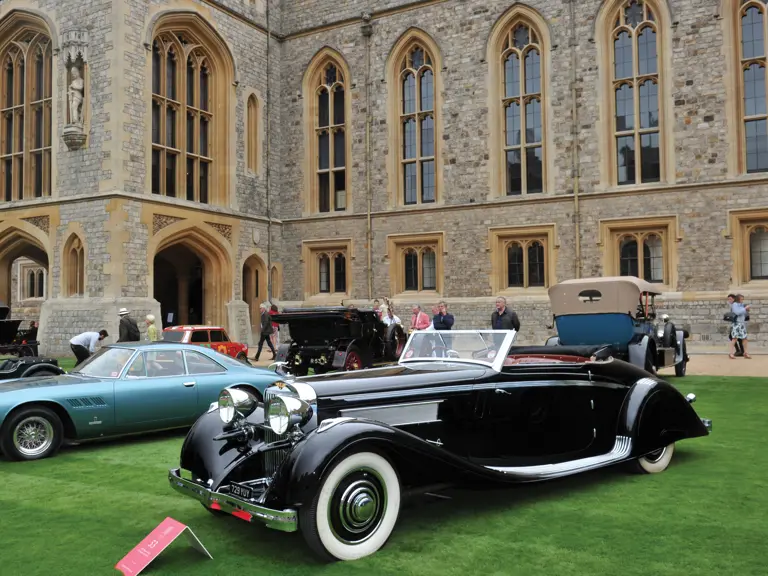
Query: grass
80, 512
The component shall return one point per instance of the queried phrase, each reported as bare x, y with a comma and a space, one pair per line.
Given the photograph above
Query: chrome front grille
274, 458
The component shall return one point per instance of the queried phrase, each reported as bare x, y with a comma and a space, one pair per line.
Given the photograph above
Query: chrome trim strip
397, 414
283, 520
622, 448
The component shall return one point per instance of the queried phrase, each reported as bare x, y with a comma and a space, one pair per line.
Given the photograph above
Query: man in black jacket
129, 330
442, 320
266, 331
504, 318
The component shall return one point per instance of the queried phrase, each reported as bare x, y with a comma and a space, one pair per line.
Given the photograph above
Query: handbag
729, 317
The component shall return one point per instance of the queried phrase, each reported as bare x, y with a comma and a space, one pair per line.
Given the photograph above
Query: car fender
34, 369
301, 474
340, 356
655, 414
638, 349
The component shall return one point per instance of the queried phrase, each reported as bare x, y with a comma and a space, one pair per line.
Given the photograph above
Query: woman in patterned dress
739, 328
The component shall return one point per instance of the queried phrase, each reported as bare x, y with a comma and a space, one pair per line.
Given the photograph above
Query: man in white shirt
83, 345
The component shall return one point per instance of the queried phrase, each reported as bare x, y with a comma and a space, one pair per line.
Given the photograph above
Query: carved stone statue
76, 97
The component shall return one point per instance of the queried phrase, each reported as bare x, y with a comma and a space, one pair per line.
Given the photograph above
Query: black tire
394, 342
31, 422
669, 337
361, 527
354, 359
243, 358
654, 462
682, 366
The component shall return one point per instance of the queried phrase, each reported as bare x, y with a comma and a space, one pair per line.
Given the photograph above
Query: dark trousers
268, 339
80, 352
739, 347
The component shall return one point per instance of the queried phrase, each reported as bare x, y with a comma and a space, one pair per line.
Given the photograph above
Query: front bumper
283, 520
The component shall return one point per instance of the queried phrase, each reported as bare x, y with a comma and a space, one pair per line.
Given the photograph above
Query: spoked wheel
355, 509
32, 434
654, 462
354, 359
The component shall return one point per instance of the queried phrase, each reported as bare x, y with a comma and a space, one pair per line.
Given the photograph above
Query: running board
621, 450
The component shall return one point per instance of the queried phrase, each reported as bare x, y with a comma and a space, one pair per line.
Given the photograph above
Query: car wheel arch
249, 388
70, 430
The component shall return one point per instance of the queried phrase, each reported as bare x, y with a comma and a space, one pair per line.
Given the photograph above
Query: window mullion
417, 106
331, 156
523, 159
526, 280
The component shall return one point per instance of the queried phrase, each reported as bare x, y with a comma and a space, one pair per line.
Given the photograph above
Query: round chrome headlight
285, 412
234, 401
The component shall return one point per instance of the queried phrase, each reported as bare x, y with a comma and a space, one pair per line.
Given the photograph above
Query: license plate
241, 491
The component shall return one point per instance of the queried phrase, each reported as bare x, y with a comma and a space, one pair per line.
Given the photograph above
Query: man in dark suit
503, 318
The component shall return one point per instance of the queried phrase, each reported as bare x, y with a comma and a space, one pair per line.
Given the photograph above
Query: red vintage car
214, 337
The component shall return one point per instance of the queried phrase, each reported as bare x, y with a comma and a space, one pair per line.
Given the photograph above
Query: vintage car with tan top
619, 312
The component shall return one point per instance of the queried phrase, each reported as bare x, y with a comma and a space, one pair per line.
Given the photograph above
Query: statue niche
75, 56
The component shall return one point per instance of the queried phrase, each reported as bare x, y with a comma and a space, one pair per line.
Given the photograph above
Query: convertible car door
521, 423
155, 393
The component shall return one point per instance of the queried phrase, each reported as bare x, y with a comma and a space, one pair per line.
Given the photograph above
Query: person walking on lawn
83, 345
739, 328
129, 330
266, 331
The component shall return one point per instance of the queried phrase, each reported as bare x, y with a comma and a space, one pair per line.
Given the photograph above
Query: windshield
173, 335
106, 363
479, 346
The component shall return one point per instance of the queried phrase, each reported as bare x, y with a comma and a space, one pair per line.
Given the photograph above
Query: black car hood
400, 377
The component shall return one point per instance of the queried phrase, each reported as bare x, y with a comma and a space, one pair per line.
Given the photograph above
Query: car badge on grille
280, 384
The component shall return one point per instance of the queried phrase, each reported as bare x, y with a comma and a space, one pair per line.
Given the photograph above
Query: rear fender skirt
637, 351
655, 414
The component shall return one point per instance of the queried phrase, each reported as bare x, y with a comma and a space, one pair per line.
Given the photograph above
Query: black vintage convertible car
332, 455
337, 338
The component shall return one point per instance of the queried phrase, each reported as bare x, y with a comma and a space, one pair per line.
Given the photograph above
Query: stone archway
18, 244
192, 277
254, 287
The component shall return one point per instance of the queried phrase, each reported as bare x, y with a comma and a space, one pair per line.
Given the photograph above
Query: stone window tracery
416, 263
752, 81
636, 102
26, 78
521, 97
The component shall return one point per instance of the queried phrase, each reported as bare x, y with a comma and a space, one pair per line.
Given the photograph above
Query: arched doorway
254, 288
192, 279
22, 259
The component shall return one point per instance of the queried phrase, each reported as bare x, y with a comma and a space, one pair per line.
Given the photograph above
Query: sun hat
123, 311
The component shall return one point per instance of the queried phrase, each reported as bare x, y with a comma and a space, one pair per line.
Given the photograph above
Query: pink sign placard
158, 540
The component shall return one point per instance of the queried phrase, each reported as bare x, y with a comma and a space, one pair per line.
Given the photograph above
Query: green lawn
80, 512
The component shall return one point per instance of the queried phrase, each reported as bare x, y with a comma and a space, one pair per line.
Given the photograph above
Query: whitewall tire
355, 508
655, 462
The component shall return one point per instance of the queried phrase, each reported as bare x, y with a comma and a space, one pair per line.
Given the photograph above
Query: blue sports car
123, 389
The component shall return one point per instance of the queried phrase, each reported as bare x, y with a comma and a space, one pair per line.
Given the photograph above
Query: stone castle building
194, 158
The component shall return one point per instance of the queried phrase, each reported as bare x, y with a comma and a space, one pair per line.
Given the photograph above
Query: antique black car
27, 366
333, 455
13, 340
337, 338
620, 312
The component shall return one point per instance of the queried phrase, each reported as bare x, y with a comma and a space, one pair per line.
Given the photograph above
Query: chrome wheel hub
357, 507
33, 436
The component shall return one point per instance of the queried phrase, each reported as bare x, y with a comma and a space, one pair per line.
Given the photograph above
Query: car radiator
274, 458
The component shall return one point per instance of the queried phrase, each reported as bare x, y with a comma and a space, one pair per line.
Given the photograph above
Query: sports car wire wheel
33, 436
357, 506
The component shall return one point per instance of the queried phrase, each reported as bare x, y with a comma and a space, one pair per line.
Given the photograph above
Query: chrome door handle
189, 384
